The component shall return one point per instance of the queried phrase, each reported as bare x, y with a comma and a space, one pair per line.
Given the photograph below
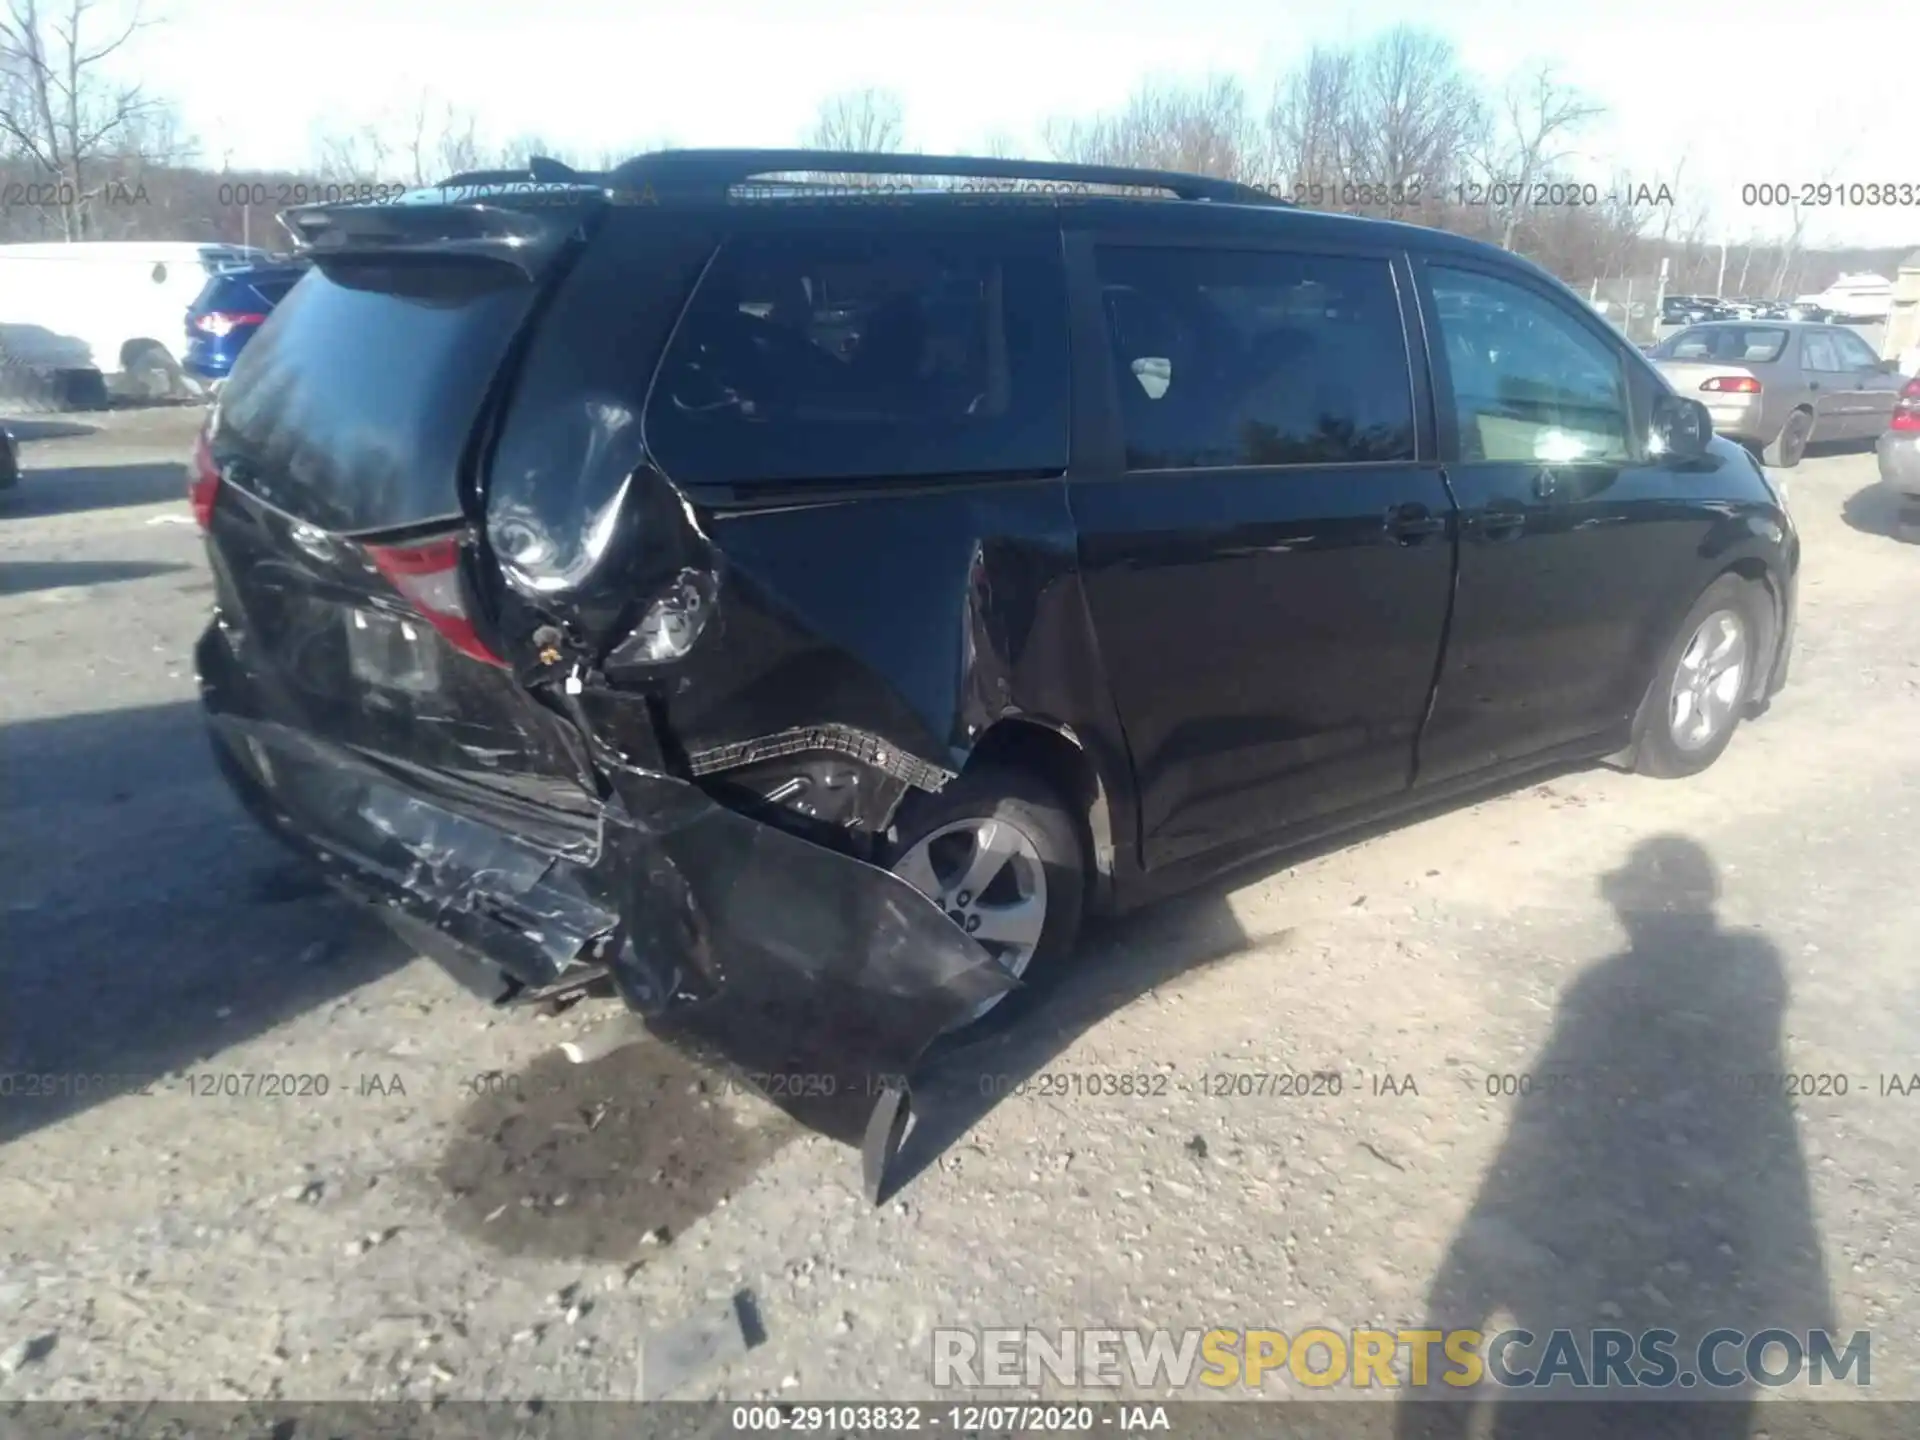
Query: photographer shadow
1652, 1180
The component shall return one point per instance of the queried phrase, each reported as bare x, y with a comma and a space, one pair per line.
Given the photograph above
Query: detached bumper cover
823, 978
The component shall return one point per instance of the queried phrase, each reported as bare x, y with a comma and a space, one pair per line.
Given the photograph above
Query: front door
1267, 552
1572, 536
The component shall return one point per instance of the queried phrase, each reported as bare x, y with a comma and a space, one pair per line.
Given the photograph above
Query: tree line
1392, 126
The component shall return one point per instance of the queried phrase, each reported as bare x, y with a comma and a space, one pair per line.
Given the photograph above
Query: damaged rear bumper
823, 978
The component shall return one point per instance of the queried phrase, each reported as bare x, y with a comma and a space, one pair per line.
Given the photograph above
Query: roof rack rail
710, 174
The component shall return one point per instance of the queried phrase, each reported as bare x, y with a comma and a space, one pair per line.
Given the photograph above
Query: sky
256, 85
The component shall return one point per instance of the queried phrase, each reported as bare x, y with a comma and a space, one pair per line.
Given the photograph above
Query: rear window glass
274, 290
1725, 343
353, 408
843, 356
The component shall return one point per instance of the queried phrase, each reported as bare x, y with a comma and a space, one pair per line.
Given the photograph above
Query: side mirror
1682, 428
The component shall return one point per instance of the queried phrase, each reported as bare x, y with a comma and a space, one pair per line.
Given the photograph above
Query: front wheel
1002, 855
1694, 704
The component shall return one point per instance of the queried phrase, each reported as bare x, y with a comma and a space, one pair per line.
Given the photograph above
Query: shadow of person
1651, 1179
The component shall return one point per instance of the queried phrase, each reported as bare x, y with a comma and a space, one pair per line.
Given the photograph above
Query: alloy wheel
987, 876
1708, 682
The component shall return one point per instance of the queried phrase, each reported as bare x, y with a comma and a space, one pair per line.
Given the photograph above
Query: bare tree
455, 145
419, 145
1416, 113
1529, 142
999, 145
58, 110
1797, 224
866, 121
1206, 129
357, 157
1313, 126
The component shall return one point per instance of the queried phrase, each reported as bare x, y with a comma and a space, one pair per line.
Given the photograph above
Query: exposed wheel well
1043, 751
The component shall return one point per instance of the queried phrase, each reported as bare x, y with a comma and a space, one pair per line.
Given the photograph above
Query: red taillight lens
429, 576
1906, 410
225, 322
203, 481
1732, 384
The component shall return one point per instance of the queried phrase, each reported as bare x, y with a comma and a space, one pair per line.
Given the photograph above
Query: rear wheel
1791, 443
151, 373
1000, 853
1695, 702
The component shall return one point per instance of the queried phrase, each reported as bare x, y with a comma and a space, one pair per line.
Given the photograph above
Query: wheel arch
1750, 569
1756, 572
1051, 751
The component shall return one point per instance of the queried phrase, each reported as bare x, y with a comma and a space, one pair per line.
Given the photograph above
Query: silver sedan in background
1775, 385
1899, 452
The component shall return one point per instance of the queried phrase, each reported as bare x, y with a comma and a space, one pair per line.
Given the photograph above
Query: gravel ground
462, 1214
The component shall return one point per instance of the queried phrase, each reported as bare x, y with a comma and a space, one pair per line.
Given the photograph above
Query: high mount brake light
428, 575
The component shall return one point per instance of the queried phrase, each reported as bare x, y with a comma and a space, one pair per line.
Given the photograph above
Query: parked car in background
1687, 310
109, 306
224, 316
612, 654
1899, 454
9, 459
1775, 386
1808, 311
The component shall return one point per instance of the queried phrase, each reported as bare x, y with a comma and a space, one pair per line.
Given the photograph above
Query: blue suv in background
234, 304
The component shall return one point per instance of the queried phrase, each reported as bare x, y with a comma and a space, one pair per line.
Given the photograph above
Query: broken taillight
203, 479
428, 575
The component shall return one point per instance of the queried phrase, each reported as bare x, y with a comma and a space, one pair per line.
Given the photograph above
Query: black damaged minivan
796, 603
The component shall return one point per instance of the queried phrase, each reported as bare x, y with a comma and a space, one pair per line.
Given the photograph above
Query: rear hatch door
336, 480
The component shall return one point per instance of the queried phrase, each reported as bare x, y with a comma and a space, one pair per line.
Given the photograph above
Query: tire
1674, 739
1783, 452
151, 373
928, 847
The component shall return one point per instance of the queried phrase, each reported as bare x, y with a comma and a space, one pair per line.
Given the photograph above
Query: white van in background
117, 307
1855, 297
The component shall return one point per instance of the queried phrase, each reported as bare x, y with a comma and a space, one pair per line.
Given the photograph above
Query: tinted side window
1817, 352
1530, 382
1229, 358
822, 356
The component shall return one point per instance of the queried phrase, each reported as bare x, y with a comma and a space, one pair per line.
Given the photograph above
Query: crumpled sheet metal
824, 978
463, 865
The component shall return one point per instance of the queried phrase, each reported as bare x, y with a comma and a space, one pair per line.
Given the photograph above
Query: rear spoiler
489, 226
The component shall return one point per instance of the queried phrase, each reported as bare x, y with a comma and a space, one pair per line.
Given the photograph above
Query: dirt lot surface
463, 1214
